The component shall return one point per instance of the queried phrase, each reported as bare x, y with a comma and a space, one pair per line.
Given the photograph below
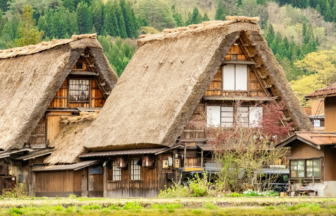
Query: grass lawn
169, 206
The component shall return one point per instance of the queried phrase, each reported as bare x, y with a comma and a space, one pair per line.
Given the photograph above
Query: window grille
116, 172
79, 90
135, 170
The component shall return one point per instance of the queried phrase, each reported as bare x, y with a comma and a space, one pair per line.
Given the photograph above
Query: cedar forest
301, 33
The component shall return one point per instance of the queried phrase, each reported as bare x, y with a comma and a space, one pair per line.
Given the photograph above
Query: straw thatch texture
30, 80
164, 82
68, 144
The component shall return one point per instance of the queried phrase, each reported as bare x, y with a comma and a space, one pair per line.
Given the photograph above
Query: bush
197, 211
175, 191
199, 186
209, 205
15, 211
17, 192
133, 206
72, 196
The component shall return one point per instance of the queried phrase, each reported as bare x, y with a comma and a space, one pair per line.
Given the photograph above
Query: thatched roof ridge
68, 144
29, 81
165, 81
195, 28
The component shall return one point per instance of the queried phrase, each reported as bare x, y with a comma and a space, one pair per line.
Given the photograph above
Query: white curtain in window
256, 116
241, 77
213, 116
228, 77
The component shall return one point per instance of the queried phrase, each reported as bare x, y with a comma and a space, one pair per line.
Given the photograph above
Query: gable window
79, 65
79, 90
307, 168
135, 170
226, 116
116, 172
235, 77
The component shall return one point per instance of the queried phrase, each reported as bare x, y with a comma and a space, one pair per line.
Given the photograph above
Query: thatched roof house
167, 77
30, 77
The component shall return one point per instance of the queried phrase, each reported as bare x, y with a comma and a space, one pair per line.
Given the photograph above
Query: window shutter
228, 77
241, 77
255, 116
213, 116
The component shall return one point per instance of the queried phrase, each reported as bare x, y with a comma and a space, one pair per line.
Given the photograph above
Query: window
135, 170
227, 116
235, 77
79, 90
116, 172
306, 168
234, 57
79, 65
96, 170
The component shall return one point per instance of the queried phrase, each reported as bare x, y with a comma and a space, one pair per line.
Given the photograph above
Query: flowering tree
244, 149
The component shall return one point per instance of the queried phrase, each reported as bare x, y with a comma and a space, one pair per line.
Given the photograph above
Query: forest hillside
301, 33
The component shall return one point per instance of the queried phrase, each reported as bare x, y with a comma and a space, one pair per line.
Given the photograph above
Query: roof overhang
206, 147
287, 142
35, 154
315, 140
74, 167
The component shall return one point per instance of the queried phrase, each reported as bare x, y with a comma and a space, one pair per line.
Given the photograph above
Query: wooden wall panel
194, 129
38, 137
302, 150
53, 128
97, 96
58, 181
215, 88
59, 101
330, 114
96, 182
317, 107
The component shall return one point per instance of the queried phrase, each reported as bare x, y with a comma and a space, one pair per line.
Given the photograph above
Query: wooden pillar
105, 181
185, 155
33, 185
160, 173
175, 170
84, 186
201, 158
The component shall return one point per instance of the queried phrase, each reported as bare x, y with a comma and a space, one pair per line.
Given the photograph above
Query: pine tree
270, 35
83, 18
8, 29
4, 5
334, 12
328, 16
121, 22
239, 2
196, 16
129, 22
318, 8
317, 41
43, 26
220, 12
54, 26
62, 27
278, 38
286, 43
178, 19
98, 17
205, 17
304, 29
307, 3
111, 26
70, 4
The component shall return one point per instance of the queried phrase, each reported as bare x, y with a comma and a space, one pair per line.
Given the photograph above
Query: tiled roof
328, 90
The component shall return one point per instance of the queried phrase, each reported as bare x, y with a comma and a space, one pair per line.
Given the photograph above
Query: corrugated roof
76, 166
328, 90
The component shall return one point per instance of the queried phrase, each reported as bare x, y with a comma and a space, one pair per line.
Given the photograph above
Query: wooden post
84, 186
201, 158
160, 173
33, 186
175, 170
105, 181
185, 155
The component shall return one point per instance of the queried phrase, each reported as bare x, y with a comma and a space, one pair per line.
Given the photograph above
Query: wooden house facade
178, 83
51, 85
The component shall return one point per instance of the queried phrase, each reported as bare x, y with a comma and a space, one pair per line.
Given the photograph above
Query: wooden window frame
132, 169
117, 170
235, 77
90, 93
305, 168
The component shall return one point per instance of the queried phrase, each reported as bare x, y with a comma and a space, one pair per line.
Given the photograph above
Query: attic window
79, 65
234, 57
79, 90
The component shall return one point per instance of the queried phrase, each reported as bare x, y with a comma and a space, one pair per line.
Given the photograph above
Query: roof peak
200, 27
44, 45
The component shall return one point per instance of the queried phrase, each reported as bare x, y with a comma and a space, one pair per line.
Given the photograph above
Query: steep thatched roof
68, 144
30, 77
167, 77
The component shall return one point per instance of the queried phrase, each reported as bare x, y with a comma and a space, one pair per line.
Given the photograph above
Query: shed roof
326, 91
313, 139
30, 77
75, 167
168, 76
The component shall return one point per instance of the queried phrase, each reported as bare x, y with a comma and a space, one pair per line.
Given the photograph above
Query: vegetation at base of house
208, 208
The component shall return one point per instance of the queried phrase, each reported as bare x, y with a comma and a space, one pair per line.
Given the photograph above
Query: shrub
175, 191
95, 206
70, 209
209, 205
15, 211
17, 192
106, 211
72, 196
270, 207
314, 206
197, 211
58, 208
133, 206
114, 207
199, 186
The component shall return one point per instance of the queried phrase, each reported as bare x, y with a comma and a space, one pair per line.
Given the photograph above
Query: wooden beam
201, 158
185, 155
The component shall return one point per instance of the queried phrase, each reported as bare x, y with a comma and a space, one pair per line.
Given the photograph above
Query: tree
43, 26
121, 21
278, 38
98, 16
286, 43
205, 17
128, 18
111, 26
70, 4
270, 34
318, 8
83, 18
55, 26
178, 19
28, 32
220, 12
4, 5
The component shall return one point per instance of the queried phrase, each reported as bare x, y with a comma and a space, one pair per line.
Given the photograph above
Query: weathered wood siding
38, 137
195, 127
330, 114
329, 163
57, 183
